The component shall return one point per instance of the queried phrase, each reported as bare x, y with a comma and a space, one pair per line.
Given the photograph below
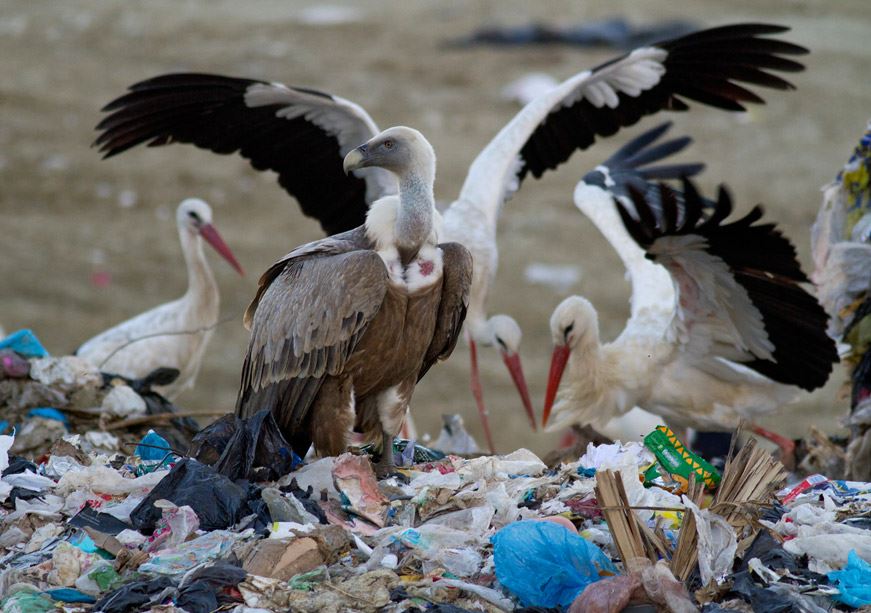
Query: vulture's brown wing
452, 310
305, 322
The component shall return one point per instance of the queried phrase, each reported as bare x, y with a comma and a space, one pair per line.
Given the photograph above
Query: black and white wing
738, 285
714, 67
301, 134
637, 165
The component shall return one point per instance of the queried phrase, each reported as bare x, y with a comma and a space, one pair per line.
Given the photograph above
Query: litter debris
158, 529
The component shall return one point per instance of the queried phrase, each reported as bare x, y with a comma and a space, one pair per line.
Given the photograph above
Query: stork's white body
645, 366
174, 334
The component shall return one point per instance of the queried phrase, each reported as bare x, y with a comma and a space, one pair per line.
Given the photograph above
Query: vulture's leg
478, 393
385, 465
786, 445
332, 416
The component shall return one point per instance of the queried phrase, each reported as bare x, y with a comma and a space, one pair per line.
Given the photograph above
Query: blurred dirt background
67, 216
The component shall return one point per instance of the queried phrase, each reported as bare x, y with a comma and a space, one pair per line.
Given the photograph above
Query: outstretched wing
738, 287
706, 67
456, 283
311, 309
635, 165
299, 133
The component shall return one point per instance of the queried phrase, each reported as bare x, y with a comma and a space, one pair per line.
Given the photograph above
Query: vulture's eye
388, 144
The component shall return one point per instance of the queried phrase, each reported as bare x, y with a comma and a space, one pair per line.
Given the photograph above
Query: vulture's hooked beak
558, 362
515, 368
356, 158
211, 236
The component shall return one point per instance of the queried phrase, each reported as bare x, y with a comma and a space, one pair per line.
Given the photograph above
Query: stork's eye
388, 144
193, 215
501, 343
568, 330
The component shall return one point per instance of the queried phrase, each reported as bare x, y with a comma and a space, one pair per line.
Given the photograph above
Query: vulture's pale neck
414, 219
201, 282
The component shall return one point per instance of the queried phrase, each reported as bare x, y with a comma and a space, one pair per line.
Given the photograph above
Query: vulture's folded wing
714, 67
311, 309
299, 133
738, 287
456, 283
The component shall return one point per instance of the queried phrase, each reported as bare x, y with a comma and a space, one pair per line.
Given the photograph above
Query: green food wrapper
679, 461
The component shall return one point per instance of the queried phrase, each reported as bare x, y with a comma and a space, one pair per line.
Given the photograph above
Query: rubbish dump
236, 522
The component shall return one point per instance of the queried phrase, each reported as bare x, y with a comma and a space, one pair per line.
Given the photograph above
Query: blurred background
87, 243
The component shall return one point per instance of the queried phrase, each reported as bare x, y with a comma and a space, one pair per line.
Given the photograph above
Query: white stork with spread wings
173, 334
721, 328
303, 135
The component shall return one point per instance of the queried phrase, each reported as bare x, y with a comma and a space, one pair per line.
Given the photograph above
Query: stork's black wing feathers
635, 165
763, 262
705, 67
209, 111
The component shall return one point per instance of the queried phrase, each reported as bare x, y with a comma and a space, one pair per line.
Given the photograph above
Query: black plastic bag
202, 592
133, 596
251, 448
217, 501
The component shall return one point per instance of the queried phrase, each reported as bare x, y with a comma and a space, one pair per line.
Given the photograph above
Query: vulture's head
398, 149
194, 216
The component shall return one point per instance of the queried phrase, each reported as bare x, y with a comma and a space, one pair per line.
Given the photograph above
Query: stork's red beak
512, 362
558, 362
211, 236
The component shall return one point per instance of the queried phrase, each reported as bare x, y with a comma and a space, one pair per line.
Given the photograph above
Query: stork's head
574, 325
503, 333
195, 216
398, 149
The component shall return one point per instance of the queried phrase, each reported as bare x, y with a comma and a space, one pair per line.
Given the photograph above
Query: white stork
721, 328
303, 135
343, 328
174, 334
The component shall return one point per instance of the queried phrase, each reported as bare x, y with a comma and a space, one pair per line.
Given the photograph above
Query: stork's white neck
201, 282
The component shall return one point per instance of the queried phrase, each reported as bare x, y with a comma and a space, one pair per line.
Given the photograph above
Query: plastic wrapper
545, 565
678, 461
173, 528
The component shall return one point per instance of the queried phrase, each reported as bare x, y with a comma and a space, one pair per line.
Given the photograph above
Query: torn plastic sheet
716, 544
178, 560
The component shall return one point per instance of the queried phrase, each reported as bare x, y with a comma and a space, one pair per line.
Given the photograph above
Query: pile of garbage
45, 398
240, 523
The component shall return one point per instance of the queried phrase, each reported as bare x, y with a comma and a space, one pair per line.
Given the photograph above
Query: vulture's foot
385, 466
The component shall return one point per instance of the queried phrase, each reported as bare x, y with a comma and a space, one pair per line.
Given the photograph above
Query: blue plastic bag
546, 565
854, 581
49, 413
24, 343
152, 447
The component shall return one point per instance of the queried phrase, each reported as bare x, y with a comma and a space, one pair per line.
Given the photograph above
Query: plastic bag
217, 501
132, 596
854, 581
251, 448
545, 565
